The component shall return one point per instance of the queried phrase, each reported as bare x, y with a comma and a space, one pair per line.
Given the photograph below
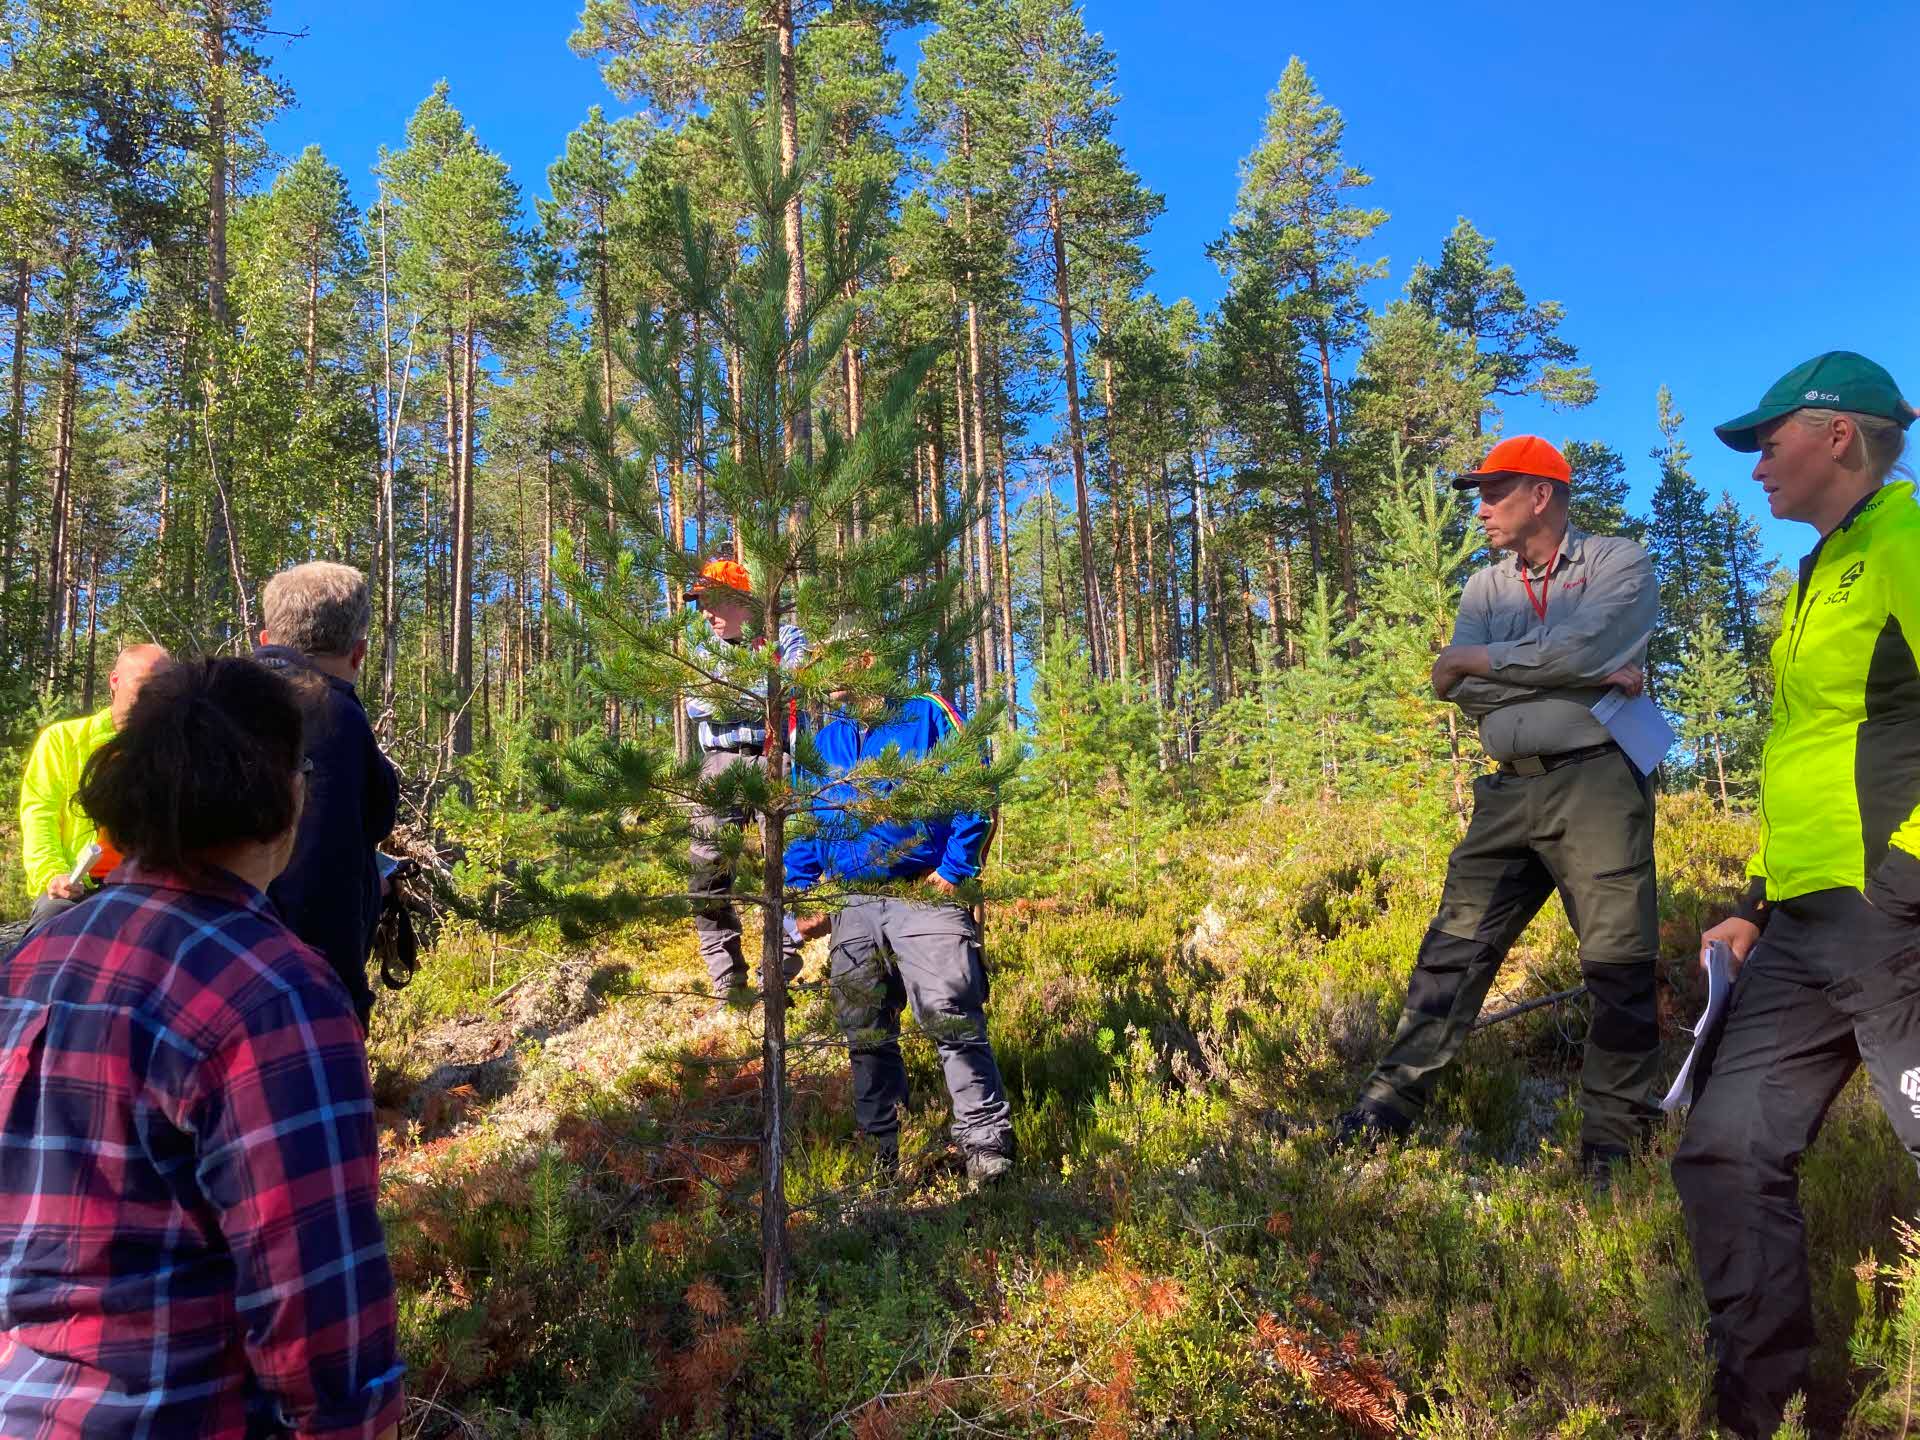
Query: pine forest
858, 294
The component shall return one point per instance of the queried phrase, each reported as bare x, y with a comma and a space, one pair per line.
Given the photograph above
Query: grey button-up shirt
1601, 600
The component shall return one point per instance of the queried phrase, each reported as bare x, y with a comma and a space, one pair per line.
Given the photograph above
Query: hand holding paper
1717, 957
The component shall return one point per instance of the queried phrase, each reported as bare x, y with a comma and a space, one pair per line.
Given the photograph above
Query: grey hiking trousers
1585, 830
715, 920
888, 954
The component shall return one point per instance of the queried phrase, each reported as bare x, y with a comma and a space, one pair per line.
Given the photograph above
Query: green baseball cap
1837, 380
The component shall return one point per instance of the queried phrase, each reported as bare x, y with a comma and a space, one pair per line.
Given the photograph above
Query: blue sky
1714, 191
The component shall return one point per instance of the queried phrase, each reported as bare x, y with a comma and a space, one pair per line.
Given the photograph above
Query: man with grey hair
317, 617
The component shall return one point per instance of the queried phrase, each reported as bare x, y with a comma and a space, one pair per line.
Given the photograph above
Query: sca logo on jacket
1843, 592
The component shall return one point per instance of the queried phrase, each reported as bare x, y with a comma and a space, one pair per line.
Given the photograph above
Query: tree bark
1178, 642
1009, 672
438, 564
1336, 478
699, 448
1197, 542
775, 1245
59, 508
463, 543
546, 564
800, 423
93, 640
1076, 436
1116, 496
16, 432
982, 547
603, 322
313, 306
390, 431
1275, 625
215, 44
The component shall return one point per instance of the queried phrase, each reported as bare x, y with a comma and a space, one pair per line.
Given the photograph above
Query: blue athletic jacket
954, 846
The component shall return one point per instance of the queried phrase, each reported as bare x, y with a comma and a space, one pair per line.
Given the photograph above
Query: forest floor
570, 1182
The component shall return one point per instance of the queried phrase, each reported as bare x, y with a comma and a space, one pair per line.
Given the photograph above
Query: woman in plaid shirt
188, 1241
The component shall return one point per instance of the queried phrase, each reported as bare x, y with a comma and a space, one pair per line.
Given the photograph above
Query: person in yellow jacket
53, 832
1827, 940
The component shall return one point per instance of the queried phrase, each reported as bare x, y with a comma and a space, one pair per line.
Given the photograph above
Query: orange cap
1519, 455
730, 573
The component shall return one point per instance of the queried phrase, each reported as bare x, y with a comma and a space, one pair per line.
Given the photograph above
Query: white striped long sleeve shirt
745, 730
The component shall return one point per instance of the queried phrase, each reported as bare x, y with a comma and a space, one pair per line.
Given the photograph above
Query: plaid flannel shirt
188, 1240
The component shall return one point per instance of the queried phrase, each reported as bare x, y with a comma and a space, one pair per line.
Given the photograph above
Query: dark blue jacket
954, 846
329, 894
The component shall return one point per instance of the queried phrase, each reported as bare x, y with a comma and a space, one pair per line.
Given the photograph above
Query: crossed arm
1599, 645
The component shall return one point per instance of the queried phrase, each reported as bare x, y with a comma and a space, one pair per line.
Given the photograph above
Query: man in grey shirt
1541, 635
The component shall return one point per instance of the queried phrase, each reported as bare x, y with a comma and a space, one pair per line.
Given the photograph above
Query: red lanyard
1546, 581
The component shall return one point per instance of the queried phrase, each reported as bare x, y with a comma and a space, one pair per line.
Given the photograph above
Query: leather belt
1541, 764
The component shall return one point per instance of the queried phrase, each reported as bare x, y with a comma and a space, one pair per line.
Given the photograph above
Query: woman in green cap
1827, 940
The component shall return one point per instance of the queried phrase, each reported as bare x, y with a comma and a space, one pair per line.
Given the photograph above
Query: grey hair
319, 608
1883, 442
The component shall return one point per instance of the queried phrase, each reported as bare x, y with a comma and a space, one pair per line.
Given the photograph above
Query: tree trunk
16, 432
699, 448
1275, 622
738, 439
775, 1245
982, 547
800, 425
603, 322
1198, 543
1116, 496
1289, 612
1336, 480
313, 307
937, 487
683, 737
1076, 436
1009, 671
463, 544
215, 43
59, 508
1052, 515
443, 638
1179, 644
390, 431
93, 637
1151, 634
972, 562
546, 564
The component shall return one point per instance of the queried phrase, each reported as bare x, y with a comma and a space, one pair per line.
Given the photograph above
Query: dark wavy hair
208, 757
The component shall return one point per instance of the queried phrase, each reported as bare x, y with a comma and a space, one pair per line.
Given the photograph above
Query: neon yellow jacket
1840, 779
52, 831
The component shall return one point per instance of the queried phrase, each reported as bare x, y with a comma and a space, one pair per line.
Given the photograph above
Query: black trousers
1832, 983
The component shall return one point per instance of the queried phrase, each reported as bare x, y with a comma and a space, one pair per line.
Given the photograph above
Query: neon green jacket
1840, 779
52, 831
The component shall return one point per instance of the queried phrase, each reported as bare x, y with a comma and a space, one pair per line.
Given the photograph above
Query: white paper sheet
1637, 727
1719, 963
89, 853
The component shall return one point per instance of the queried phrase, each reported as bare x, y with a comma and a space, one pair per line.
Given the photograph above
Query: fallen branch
1515, 1011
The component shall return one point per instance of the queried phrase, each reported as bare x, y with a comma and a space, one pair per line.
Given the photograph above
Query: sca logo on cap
1826, 395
